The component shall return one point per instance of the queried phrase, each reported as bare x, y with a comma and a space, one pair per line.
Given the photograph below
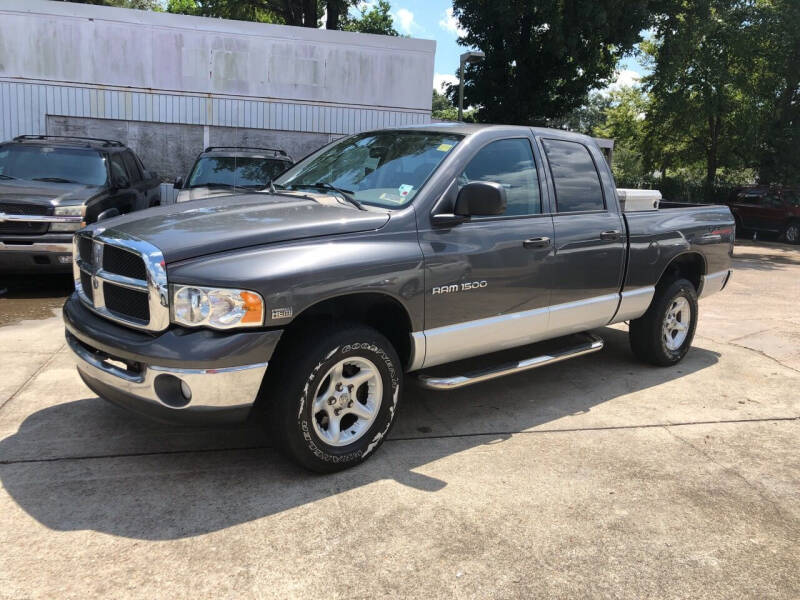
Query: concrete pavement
593, 477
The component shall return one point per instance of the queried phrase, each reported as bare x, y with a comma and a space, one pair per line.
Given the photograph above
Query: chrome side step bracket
592, 344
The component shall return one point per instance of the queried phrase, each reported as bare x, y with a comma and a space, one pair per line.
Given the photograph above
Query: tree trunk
712, 154
334, 12
310, 15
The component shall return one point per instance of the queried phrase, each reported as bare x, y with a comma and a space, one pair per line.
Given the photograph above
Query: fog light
186, 390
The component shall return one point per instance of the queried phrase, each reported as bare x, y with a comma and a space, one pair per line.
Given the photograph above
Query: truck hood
43, 192
200, 192
201, 227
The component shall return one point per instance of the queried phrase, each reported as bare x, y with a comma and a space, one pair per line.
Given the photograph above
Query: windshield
382, 169
58, 165
235, 171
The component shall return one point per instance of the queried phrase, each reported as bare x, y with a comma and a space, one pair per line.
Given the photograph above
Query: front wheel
663, 335
335, 396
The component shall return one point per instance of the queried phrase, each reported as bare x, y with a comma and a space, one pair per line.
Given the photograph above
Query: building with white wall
169, 85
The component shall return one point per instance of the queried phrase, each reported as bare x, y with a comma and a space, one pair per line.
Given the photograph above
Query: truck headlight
218, 308
76, 212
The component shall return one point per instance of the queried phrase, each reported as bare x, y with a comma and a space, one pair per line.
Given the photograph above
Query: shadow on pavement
172, 494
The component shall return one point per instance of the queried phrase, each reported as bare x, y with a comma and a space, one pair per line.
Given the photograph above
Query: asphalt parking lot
596, 477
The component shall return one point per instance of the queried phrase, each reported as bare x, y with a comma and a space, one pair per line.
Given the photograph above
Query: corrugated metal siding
168, 193
24, 106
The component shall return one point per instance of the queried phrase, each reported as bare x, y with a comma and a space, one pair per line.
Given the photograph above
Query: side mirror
481, 199
178, 183
107, 214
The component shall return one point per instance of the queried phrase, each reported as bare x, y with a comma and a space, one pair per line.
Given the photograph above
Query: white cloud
450, 24
405, 20
623, 78
440, 80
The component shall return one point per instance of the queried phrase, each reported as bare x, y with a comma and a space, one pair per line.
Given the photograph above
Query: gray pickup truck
386, 253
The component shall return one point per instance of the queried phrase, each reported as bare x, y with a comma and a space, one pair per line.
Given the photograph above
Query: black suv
51, 186
221, 170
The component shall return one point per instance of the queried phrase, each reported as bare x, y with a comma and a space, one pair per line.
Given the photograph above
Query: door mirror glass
481, 199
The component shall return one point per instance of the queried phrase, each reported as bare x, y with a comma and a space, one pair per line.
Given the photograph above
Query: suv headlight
69, 211
218, 308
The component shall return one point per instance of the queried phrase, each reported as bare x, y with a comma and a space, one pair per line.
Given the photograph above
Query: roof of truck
470, 128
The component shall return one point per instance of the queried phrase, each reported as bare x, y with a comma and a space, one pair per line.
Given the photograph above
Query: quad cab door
590, 242
488, 279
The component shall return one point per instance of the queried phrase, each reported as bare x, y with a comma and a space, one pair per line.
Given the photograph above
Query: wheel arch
378, 310
688, 265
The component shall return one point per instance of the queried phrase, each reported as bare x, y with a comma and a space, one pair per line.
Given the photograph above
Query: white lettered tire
332, 396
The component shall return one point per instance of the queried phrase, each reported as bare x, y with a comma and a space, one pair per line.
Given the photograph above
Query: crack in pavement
413, 438
761, 352
734, 472
33, 376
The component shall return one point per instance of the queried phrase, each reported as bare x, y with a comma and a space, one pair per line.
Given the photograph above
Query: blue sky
433, 20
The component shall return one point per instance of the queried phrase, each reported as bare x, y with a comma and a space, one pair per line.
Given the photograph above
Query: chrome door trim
580, 315
482, 336
634, 303
472, 338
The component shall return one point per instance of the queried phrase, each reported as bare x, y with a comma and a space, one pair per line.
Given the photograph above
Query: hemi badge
281, 313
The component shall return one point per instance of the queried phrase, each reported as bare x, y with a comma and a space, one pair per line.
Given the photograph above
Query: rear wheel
792, 232
664, 334
332, 396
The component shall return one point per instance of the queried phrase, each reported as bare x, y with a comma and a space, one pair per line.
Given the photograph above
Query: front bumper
151, 375
45, 254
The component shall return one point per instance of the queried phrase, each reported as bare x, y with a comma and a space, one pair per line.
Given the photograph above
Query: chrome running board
592, 344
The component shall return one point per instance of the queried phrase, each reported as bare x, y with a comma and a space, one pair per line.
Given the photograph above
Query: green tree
702, 57
442, 109
776, 89
623, 121
375, 18
543, 58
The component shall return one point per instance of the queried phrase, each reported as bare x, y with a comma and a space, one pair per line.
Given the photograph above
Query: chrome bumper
41, 247
164, 389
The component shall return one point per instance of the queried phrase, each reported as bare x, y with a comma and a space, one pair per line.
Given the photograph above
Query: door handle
540, 242
610, 235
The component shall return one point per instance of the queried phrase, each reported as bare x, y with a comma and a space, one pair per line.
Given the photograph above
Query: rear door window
575, 176
131, 166
118, 170
510, 163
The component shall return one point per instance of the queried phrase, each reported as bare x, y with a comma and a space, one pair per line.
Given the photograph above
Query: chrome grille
24, 227
122, 278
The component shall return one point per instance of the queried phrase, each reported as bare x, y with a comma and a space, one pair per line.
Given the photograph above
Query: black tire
792, 233
647, 337
740, 230
299, 371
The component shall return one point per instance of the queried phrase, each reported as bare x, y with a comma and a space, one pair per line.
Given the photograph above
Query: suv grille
22, 228
115, 280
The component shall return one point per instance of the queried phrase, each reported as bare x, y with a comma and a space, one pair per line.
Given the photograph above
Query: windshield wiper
3, 176
54, 180
346, 194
